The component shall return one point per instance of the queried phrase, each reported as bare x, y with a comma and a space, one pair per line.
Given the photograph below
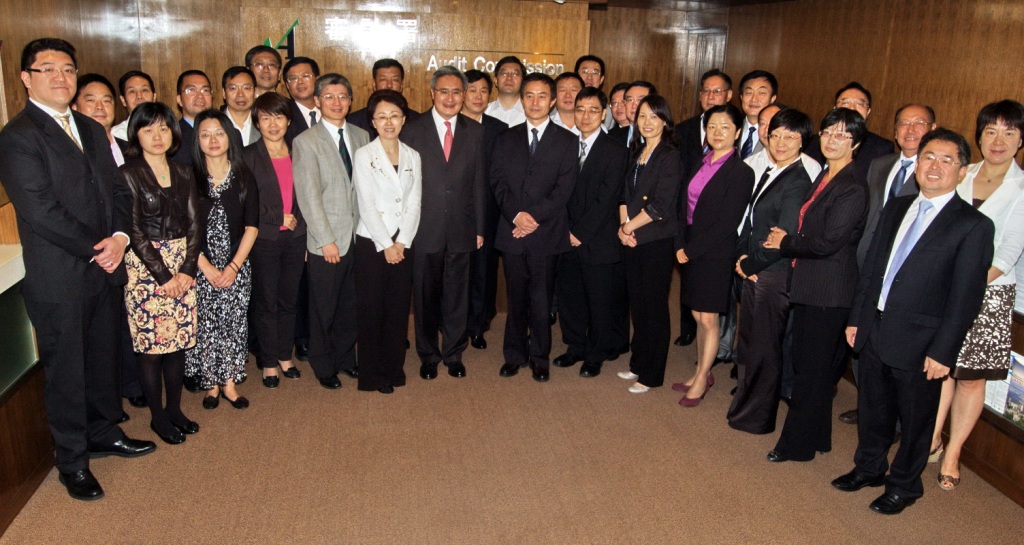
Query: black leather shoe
137, 401
891, 504
211, 402
552, 318
849, 417
776, 456
175, 438
852, 482
292, 373
81, 485
685, 340
428, 371
456, 369
478, 342
590, 369
124, 417
566, 360
193, 385
387, 389
239, 402
331, 382
272, 381
125, 448
539, 374
189, 427
352, 371
509, 370
302, 351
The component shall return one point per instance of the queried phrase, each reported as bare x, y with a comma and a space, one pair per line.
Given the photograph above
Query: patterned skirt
159, 324
986, 350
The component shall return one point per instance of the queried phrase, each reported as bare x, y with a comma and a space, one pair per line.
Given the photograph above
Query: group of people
277, 224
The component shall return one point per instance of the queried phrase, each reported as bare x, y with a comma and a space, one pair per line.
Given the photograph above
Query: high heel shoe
239, 402
682, 387
175, 438
693, 402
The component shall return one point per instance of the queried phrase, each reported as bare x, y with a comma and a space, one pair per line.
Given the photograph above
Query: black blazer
778, 205
878, 176
620, 135
492, 128
361, 119
67, 200
298, 124
936, 294
452, 208
871, 148
691, 146
719, 211
188, 137
655, 188
539, 185
593, 206
271, 207
825, 274
241, 208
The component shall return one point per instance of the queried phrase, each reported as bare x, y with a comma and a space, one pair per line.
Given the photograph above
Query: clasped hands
739, 269
774, 240
627, 239
177, 285
524, 225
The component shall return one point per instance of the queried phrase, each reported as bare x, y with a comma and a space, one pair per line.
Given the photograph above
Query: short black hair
90, 78
591, 58
570, 75
507, 60
796, 121
123, 81
261, 49
146, 114
295, 61
714, 72
943, 134
385, 95
931, 112
270, 103
537, 76
187, 73
592, 92
233, 72
37, 46
621, 86
473, 76
733, 112
652, 90
756, 74
1010, 112
388, 63
659, 107
851, 120
857, 86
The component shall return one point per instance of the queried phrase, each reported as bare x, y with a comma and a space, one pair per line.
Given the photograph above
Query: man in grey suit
892, 176
322, 166
452, 152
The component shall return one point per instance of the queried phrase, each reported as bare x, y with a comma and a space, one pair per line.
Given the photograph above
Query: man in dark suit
483, 281
592, 276
451, 149
387, 74
73, 210
532, 173
891, 176
757, 90
920, 290
195, 94
634, 94
855, 96
300, 75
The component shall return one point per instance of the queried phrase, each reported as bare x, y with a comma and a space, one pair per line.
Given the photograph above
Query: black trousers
332, 314
130, 379
440, 285
762, 324
817, 332
78, 346
302, 308
530, 282
593, 309
727, 322
887, 395
483, 288
648, 277
276, 270
383, 304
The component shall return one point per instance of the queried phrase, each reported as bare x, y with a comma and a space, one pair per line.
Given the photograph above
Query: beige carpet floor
491, 460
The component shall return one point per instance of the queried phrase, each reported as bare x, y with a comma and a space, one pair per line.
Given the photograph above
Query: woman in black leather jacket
160, 295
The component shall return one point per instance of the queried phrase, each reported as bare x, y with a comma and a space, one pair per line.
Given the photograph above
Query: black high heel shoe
175, 438
239, 402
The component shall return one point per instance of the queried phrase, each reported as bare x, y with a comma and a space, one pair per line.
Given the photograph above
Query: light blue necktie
901, 178
913, 234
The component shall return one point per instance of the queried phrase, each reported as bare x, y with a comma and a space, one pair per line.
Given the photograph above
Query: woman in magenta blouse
715, 197
278, 255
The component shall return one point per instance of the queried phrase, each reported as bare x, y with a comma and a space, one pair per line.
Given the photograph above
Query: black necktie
748, 146
757, 191
344, 152
312, 118
533, 143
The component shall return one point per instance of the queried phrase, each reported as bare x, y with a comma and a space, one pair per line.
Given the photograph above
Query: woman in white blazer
996, 188
388, 182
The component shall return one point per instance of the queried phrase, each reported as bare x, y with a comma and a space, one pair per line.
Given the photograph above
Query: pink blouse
283, 169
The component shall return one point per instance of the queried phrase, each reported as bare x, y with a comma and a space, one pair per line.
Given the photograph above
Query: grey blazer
878, 177
326, 194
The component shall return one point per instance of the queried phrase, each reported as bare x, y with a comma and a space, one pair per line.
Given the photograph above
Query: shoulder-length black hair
734, 113
146, 114
238, 167
659, 107
852, 121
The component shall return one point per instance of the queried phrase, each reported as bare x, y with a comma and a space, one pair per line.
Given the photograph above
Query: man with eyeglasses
195, 95
265, 62
134, 87
239, 85
920, 289
891, 176
634, 94
74, 208
300, 75
508, 77
454, 199
758, 89
617, 107
855, 96
387, 74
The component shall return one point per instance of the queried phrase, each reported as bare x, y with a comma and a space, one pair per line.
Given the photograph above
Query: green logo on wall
286, 43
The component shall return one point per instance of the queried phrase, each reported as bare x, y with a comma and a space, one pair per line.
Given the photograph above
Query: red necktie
447, 140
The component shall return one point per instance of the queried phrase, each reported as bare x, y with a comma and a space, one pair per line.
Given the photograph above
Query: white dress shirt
557, 120
305, 113
511, 117
332, 129
441, 128
53, 113
1005, 207
121, 130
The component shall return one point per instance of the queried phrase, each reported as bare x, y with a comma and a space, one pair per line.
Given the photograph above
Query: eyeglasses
509, 74
914, 124
48, 72
837, 136
244, 87
944, 160
713, 92
385, 118
265, 65
788, 138
296, 77
851, 103
329, 97
194, 90
449, 92
590, 72
583, 110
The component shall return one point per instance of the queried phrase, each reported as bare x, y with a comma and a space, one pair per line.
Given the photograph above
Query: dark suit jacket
539, 185
66, 201
271, 207
936, 294
656, 190
777, 206
454, 191
298, 123
825, 274
361, 119
878, 176
719, 211
691, 147
593, 206
492, 128
873, 147
620, 135
188, 137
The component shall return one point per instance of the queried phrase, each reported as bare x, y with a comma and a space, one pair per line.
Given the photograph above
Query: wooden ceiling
679, 5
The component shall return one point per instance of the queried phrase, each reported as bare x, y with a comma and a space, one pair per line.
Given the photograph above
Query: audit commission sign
487, 65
